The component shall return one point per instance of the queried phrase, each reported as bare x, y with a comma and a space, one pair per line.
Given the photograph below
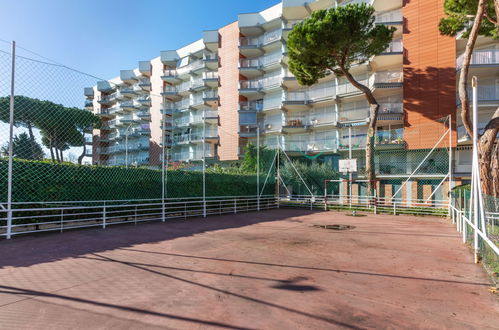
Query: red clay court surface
267, 270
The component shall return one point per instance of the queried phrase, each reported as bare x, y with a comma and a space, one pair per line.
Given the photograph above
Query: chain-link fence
88, 151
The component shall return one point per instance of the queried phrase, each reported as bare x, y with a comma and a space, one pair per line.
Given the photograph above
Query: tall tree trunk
32, 140
80, 159
463, 75
57, 154
486, 149
52, 152
373, 118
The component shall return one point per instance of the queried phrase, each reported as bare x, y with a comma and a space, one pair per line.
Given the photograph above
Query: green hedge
36, 181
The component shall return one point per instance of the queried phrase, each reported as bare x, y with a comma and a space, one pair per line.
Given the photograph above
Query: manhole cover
335, 227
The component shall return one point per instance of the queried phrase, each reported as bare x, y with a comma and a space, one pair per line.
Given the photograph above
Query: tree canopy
460, 15
333, 40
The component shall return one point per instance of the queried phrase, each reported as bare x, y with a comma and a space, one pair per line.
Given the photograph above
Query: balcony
358, 141
197, 155
296, 124
171, 76
144, 115
390, 113
108, 99
105, 86
392, 17
348, 116
145, 68
128, 76
249, 88
144, 100
197, 66
128, 91
296, 101
169, 57
105, 113
130, 105
89, 104
487, 95
394, 48
390, 139
211, 79
211, 61
481, 58
89, 92
250, 46
256, 106
388, 79
248, 131
145, 84
320, 145
211, 39
171, 92
143, 130
250, 68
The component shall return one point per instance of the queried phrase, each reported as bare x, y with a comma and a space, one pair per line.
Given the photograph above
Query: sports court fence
71, 160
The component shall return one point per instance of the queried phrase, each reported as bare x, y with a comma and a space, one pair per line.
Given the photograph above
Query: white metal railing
393, 16
37, 217
210, 75
353, 114
391, 108
481, 57
249, 62
388, 77
272, 36
395, 46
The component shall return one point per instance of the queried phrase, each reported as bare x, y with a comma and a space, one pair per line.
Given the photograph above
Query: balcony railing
484, 93
249, 63
296, 121
481, 57
311, 145
391, 108
390, 137
358, 142
395, 46
353, 114
393, 16
251, 105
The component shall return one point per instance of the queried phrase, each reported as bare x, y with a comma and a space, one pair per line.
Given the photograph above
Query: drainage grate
335, 227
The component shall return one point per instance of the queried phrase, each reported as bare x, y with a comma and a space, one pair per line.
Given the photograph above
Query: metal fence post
11, 146
235, 206
258, 168
394, 207
104, 216
62, 219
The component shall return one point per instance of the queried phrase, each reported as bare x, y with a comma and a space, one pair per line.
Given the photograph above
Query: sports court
271, 269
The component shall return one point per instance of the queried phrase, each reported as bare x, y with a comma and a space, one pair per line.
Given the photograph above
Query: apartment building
210, 98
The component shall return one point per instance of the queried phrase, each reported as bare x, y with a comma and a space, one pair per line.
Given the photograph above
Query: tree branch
489, 18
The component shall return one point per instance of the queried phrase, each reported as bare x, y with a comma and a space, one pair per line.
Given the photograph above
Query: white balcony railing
393, 16
395, 46
481, 57
353, 114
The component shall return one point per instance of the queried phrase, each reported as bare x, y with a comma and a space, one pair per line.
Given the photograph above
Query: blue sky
101, 37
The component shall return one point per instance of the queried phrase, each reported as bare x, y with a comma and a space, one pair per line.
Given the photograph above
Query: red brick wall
429, 73
228, 72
